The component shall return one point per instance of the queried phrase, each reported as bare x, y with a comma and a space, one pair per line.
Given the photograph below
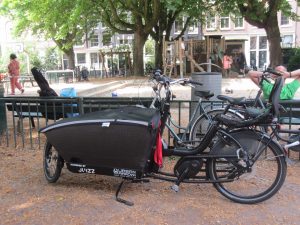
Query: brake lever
191, 85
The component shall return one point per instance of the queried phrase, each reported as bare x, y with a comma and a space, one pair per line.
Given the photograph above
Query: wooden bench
58, 108
49, 112
26, 78
22, 80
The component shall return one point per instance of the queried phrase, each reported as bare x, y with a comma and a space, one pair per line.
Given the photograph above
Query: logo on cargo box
124, 173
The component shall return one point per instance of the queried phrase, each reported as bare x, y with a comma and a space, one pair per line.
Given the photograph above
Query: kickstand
120, 199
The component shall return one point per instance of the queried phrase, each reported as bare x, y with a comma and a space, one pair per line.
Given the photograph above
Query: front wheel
265, 178
52, 163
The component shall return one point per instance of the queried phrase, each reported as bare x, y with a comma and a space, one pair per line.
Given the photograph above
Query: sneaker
12, 94
22, 91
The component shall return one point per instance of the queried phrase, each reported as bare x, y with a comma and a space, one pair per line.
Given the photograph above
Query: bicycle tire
267, 174
201, 124
52, 163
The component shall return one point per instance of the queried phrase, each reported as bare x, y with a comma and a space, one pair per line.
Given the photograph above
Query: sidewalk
236, 87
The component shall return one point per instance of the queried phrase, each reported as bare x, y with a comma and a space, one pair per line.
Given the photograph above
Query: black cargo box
116, 142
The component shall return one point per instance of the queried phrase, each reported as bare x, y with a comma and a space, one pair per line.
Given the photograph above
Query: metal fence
25, 116
22, 117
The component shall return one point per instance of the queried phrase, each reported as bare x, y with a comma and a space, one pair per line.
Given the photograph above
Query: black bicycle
241, 108
126, 143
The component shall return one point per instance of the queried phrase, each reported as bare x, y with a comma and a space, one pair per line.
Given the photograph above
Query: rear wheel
52, 163
265, 178
201, 125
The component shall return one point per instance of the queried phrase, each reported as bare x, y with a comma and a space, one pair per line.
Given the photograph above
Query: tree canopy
262, 14
67, 21
61, 21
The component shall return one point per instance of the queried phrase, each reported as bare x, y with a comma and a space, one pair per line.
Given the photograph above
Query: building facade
238, 33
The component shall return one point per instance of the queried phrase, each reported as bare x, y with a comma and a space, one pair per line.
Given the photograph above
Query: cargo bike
243, 164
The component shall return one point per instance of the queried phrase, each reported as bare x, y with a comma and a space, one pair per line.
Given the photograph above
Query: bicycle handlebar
270, 70
164, 79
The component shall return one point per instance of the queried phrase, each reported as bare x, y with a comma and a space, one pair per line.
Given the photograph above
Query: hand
285, 74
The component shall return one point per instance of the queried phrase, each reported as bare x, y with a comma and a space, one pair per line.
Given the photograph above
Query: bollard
3, 123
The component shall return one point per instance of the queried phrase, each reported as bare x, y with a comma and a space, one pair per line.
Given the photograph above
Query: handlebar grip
270, 70
195, 82
161, 78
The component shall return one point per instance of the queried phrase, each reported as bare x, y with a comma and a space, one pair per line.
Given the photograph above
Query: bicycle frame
183, 137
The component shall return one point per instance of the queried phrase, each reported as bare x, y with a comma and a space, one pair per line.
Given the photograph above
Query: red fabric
158, 158
14, 68
14, 83
227, 61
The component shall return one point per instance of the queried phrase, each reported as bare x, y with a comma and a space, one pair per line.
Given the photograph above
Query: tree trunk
71, 58
138, 52
274, 39
158, 54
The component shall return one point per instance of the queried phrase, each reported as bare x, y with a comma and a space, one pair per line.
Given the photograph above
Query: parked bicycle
237, 107
241, 108
126, 143
184, 137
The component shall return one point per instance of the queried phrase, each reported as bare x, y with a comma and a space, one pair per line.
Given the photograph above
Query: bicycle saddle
204, 94
232, 100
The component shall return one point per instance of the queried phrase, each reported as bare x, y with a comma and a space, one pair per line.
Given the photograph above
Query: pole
3, 123
209, 65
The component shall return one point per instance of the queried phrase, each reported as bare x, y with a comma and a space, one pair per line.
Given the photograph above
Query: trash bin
212, 81
3, 124
69, 92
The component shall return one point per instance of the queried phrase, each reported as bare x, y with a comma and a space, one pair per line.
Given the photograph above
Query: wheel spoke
266, 176
52, 163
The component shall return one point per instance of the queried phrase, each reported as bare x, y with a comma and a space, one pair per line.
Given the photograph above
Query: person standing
241, 61
85, 73
14, 73
227, 61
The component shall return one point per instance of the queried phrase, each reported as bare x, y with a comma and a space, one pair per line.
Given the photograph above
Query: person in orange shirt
14, 73
227, 61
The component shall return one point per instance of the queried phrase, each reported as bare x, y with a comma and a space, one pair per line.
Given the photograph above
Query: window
253, 59
262, 52
224, 20
94, 40
123, 41
94, 58
81, 58
238, 22
287, 41
211, 22
178, 25
106, 38
284, 20
263, 42
193, 27
258, 51
253, 41
262, 59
